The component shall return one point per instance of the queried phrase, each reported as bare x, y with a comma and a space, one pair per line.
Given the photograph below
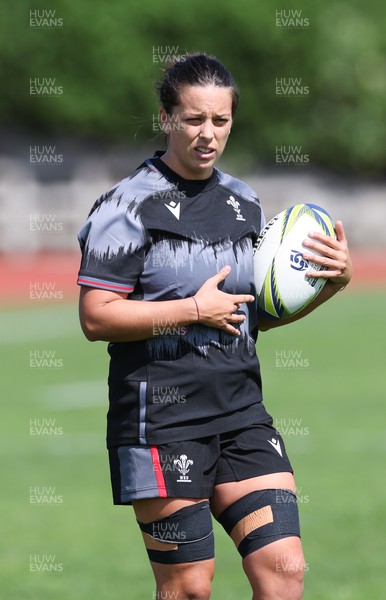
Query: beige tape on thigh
153, 544
253, 521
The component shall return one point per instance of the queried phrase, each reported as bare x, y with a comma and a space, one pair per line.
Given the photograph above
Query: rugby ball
282, 288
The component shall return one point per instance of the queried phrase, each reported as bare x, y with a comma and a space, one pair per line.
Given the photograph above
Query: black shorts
190, 469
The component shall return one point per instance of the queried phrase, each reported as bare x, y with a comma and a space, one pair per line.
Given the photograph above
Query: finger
323, 252
232, 330
241, 298
329, 265
318, 236
325, 256
221, 275
235, 318
321, 266
339, 230
324, 274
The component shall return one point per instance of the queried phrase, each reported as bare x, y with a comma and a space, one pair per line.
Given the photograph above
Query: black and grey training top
157, 236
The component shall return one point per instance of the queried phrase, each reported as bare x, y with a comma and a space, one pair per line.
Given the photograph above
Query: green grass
331, 405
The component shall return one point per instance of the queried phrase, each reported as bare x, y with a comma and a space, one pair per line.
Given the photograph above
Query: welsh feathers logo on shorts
183, 464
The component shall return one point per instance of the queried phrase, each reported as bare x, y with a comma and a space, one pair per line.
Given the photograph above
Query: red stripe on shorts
158, 472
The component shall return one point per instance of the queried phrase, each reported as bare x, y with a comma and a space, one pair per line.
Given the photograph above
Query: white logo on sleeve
276, 444
174, 208
183, 464
236, 207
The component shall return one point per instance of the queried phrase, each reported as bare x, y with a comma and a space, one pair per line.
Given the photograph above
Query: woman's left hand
334, 256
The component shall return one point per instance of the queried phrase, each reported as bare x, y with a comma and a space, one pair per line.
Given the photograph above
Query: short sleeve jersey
156, 236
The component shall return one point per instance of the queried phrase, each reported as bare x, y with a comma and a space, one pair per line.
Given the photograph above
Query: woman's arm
336, 257
111, 317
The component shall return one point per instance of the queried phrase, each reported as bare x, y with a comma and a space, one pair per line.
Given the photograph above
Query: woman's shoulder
143, 181
134, 188
237, 186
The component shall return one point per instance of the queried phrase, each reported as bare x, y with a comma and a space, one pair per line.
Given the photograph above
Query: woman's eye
220, 121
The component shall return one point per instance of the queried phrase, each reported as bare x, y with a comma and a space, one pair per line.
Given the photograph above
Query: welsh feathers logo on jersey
183, 464
236, 207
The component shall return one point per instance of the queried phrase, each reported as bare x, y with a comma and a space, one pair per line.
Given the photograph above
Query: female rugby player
167, 279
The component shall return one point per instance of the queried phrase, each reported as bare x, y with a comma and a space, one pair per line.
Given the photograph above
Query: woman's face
197, 130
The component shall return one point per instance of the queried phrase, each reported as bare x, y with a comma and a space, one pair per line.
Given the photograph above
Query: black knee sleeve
184, 536
260, 518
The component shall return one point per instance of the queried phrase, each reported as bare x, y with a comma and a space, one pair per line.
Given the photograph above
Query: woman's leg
179, 539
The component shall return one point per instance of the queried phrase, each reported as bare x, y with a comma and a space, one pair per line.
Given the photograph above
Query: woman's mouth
204, 152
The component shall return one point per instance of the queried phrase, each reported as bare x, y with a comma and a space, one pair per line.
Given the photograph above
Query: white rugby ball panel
281, 285
269, 242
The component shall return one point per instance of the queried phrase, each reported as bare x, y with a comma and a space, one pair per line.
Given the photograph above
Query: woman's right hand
111, 317
216, 308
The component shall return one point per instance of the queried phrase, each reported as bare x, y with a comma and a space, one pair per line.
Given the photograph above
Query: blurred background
78, 113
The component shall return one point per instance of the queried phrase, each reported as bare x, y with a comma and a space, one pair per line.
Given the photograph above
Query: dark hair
193, 69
